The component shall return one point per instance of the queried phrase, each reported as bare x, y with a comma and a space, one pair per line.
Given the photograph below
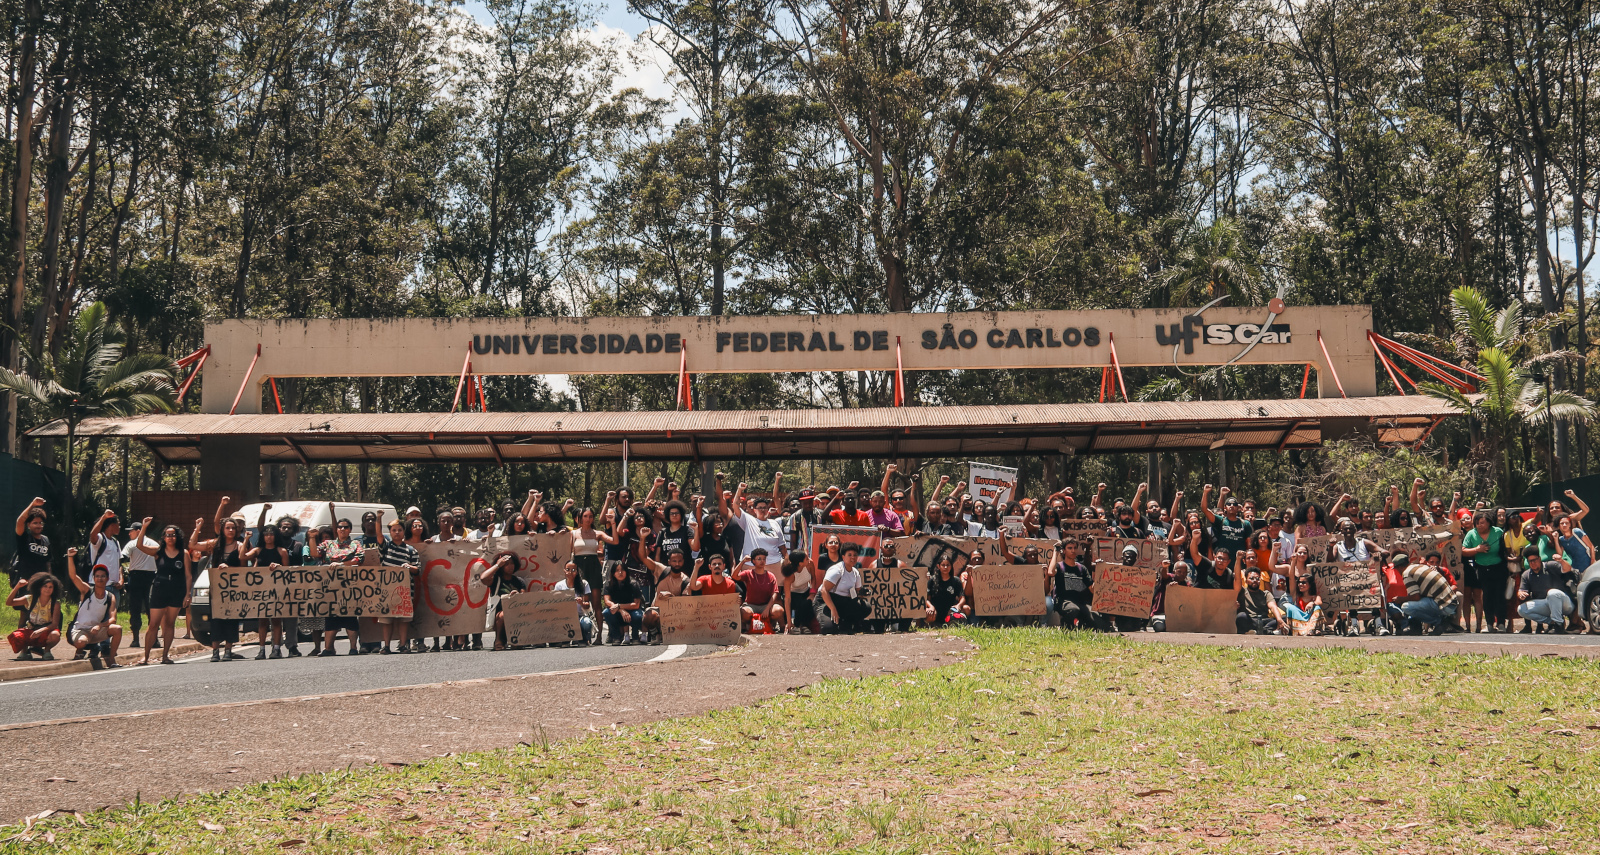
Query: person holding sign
840, 588
671, 581
169, 591
760, 592
624, 607
227, 550
396, 552
1351, 548
579, 587
500, 577
267, 553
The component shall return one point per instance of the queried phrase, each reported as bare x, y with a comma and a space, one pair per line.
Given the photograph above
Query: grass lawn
1040, 742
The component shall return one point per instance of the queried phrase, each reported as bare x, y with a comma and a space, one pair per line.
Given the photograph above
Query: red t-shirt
717, 584
839, 517
758, 587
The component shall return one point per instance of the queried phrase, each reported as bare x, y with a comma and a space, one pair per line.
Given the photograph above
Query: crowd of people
633, 553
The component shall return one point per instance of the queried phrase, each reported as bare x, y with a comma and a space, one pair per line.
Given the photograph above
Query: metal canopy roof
885, 432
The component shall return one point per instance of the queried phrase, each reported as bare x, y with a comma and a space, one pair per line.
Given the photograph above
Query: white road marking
672, 652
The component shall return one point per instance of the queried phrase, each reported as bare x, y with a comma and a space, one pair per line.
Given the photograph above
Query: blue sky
612, 13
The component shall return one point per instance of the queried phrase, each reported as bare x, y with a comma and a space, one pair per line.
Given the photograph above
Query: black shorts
224, 631
589, 571
166, 592
335, 623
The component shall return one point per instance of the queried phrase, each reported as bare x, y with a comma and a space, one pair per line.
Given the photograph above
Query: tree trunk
21, 191
91, 458
58, 173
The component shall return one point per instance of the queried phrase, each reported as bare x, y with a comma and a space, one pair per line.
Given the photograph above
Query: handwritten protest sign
991, 483
1316, 547
540, 617
927, 550
247, 593
1125, 590
369, 591
893, 593
453, 601
701, 620
1200, 610
1346, 586
1083, 529
1013, 524
541, 558
1009, 589
1419, 541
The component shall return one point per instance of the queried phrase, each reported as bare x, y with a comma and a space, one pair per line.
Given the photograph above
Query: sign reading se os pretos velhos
1007, 589
701, 620
540, 617
247, 593
1347, 587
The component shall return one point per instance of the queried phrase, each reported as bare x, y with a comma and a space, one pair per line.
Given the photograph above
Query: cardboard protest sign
1083, 529
369, 591
864, 536
701, 620
540, 617
893, 593
1346, 586
1013, 524
541, 558
1419, 541
1125, 590
1009, 589
926, 550
993, 484
1317, 547
1200, 610
451, 598
248, 593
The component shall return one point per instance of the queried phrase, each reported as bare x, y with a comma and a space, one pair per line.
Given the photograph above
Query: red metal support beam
246, 383
1328, 359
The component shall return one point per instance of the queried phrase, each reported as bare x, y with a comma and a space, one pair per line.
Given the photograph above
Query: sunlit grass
1040, 742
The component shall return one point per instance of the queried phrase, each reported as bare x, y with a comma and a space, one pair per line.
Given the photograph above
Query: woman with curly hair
39, 600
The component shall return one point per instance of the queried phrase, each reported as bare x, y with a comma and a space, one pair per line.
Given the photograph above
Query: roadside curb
62, 667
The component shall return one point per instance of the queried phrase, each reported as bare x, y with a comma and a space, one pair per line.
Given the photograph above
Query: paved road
197, 681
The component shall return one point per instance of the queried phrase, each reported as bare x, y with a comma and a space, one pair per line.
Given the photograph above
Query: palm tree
1210, 263
1508, 399
89, 377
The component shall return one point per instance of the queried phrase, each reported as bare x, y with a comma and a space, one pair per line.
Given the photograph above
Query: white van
308, 514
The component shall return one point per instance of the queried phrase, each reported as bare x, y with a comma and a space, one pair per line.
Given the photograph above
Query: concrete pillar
231, 463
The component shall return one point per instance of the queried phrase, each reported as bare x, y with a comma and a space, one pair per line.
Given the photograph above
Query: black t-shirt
33, 555
710, 546
1232, 535
1205, 576
503, 584
1073, 582
673, 539
1133, 532
944, 593
622, 592
945, 528
1253, 602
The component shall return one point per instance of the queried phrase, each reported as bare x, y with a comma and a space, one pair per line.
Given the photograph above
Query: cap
807, 493
413, 510
1130, 548
135, 524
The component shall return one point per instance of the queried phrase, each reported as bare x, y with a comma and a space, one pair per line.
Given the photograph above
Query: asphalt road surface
197, 681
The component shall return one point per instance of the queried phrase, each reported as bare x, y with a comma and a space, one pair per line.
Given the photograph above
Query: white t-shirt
766, 534
845, 581
109, 554
137, 559
974, 528
582, 591
92, 610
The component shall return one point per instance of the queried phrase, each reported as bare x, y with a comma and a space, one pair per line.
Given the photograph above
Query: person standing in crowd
879, 515
624, 607
39, 600
1483, 547
759, 531
1309, 521
802, 520
268, 555
94, 630
586, 546
169, 589
1229, 531
227, 549
32, 556
848, 511
840, 587
1351, 548
799, 578
342, 549
138, 577
935, 522
398, 553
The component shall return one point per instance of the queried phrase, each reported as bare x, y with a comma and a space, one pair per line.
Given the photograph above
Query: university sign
1324, 336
